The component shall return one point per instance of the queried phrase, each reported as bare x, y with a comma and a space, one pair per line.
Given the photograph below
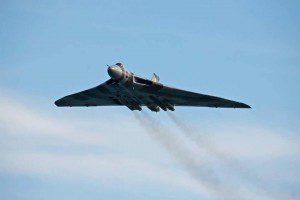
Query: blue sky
242, 50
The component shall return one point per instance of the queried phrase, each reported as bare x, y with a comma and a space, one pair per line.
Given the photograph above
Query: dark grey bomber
127, 89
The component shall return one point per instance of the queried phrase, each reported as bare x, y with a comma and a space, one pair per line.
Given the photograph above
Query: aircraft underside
125, 88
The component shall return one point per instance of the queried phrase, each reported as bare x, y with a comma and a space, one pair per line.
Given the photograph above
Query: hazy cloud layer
47, 142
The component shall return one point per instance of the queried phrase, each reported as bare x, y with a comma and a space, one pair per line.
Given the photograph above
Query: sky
247, 51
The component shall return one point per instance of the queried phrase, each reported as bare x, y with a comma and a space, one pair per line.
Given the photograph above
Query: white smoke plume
242, 171
184, 156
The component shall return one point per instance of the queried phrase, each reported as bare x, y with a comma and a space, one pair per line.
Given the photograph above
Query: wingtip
249, 107
246, 106
57, 103
242, 105
60, 103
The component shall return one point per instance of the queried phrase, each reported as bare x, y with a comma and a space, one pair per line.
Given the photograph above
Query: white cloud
108, 168
254, 142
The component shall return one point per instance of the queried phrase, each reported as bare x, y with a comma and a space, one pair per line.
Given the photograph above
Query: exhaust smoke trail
193, 166
205, 145
225, 158
210, 148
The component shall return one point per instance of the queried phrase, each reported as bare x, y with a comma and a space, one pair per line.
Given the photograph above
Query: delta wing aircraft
127, 89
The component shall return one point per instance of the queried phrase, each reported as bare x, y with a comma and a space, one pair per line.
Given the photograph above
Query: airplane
124, 88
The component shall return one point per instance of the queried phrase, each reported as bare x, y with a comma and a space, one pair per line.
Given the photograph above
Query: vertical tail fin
155, 78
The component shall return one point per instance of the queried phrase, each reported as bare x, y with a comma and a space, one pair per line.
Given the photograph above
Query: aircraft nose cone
115, 72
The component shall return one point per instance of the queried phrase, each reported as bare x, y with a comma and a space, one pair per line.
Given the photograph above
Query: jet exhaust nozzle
154, 108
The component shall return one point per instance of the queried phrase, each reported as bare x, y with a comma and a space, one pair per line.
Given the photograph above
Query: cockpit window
119, 64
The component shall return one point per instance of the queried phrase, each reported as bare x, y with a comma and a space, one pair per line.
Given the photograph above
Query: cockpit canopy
119, 64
